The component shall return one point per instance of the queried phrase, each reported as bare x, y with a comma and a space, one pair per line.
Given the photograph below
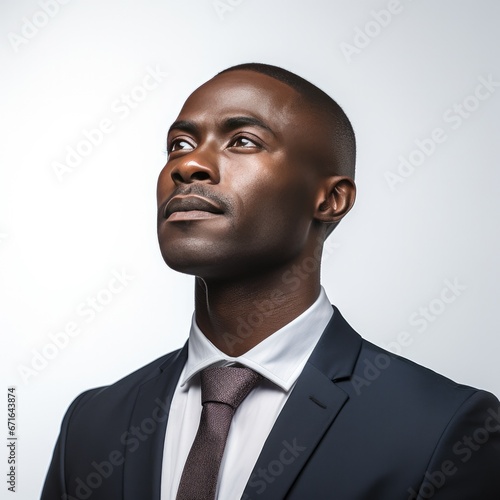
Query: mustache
218, 199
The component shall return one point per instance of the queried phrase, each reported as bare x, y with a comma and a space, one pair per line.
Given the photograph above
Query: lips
190, 207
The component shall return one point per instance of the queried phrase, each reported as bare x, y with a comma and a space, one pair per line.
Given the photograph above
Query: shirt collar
279, 358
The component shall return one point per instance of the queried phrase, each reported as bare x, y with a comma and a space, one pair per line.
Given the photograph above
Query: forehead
244, 92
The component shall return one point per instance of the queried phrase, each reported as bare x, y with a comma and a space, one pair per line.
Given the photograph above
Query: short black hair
342, 131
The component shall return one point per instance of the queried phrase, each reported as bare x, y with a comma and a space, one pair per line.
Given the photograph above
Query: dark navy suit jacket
360, 423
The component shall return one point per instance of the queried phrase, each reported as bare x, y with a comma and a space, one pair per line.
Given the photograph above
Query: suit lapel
308, 413
311, 408
146, 432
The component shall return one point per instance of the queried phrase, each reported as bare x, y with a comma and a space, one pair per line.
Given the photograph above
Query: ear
335, 199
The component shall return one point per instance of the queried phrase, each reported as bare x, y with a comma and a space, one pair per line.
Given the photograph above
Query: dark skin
246, 195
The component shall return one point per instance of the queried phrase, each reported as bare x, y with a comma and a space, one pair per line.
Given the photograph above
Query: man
260, 170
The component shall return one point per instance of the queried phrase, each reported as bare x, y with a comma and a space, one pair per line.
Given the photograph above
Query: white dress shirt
279, 358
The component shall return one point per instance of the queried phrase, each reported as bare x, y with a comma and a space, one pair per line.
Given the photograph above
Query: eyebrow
240, 121
185, 126
227, 125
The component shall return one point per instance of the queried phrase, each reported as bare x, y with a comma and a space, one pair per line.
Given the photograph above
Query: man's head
341, 157
260, 169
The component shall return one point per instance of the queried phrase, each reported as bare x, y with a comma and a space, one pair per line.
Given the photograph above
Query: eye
244, 142
180, 145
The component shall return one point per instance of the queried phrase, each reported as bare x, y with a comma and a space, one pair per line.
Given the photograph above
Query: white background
61, 239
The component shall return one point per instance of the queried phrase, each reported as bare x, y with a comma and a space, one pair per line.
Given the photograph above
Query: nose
194, 169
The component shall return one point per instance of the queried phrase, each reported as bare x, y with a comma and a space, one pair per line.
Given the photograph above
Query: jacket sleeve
55, 482
466, 461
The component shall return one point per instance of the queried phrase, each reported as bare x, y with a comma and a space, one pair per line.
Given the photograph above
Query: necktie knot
229, 384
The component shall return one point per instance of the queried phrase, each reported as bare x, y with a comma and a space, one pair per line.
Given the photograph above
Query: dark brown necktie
222, 390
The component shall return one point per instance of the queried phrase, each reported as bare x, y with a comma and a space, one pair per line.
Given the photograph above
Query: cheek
275, 205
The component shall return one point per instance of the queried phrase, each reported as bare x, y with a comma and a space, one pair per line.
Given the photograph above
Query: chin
188, 260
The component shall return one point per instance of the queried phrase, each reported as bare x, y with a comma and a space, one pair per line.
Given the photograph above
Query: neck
237, 315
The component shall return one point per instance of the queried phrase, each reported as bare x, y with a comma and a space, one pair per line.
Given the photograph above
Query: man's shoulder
383, 375
374, 355
124, 390
378, 376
